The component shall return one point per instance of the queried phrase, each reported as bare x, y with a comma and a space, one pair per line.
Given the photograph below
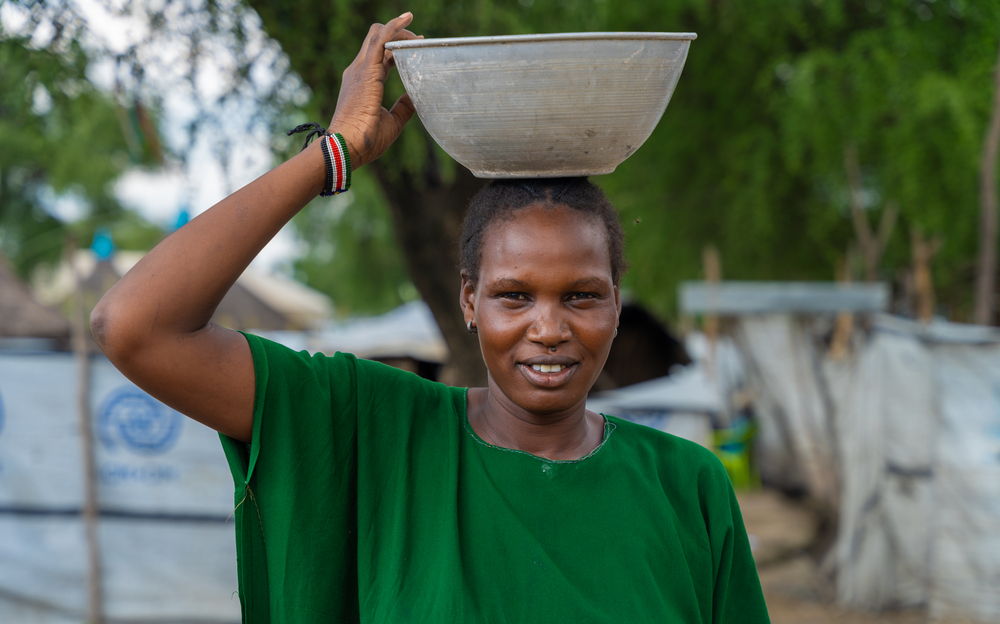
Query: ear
467, 298
618, 306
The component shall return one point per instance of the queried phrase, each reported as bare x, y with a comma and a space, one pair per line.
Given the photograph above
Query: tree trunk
986, 265
428, 219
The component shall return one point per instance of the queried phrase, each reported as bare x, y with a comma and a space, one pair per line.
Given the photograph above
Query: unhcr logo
129, 417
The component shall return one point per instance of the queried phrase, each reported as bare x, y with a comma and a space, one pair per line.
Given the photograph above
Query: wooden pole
713, 275
923, 251
81, 348
986, 262
843, 329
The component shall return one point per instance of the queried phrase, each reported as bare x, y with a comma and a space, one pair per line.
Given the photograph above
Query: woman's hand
365, 124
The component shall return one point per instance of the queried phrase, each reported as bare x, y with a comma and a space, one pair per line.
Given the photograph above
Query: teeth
547, 368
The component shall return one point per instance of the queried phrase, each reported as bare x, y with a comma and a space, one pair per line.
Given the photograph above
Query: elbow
110, 331
99, 324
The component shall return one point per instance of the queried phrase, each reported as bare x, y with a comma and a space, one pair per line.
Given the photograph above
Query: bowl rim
573, 36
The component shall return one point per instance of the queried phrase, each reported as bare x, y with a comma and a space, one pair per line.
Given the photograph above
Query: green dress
365, 496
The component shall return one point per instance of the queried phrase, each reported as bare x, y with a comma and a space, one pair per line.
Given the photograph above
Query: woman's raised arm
154, 324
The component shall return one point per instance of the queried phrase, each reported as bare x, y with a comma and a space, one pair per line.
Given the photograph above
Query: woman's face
546, 307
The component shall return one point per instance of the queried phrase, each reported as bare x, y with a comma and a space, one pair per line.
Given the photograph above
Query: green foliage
61, 137
351, 254
750, 155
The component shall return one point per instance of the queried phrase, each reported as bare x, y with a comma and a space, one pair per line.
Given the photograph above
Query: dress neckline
609, 428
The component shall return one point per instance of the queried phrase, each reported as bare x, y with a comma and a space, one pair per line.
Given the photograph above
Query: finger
394, 27
401, 22
402, 110
369, 41
388, 61
379, 35
406, 35
373, 45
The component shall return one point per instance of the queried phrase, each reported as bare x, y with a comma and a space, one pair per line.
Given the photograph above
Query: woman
367, 494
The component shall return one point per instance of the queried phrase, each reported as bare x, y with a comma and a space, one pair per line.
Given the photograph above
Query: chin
544, 403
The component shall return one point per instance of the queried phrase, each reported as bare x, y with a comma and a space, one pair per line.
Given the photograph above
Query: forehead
543, 240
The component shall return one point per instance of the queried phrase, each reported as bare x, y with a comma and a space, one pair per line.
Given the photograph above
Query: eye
582, 296
513, 297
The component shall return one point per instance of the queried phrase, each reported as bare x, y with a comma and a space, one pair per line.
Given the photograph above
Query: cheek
499, 327
599, 331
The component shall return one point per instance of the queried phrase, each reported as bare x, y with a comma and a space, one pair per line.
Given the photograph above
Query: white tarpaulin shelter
900, 438
919, 431
686, 404
165, 498
407, 331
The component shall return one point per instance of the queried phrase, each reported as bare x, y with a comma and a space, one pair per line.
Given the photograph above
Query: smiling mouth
547, 375
548, 368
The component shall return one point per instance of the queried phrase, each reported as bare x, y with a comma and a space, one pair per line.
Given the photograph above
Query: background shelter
164, 522
23, 317
257, 301
896, 439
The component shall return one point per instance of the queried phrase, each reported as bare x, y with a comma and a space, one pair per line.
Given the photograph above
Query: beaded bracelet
335, 156
338, 164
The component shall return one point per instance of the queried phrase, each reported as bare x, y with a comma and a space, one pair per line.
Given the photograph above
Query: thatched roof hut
21, 315
257, 301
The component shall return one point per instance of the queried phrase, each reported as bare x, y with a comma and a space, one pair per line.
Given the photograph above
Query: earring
616, 333
469, 325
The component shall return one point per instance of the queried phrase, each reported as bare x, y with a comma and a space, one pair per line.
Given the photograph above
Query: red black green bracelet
335, 155
338, 164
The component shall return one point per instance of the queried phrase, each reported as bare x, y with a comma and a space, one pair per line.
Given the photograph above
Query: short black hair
499, 199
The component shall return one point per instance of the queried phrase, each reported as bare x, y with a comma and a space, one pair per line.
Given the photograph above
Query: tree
54, 126
788, 114
793, 126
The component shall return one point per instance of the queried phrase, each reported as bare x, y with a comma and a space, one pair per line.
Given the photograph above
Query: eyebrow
509, 283
588, 282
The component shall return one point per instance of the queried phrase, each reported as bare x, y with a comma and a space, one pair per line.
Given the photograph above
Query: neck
567, 435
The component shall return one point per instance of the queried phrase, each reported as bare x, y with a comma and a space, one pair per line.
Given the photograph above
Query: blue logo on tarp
132, 418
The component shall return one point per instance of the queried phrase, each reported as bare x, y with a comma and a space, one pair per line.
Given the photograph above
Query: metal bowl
531, 106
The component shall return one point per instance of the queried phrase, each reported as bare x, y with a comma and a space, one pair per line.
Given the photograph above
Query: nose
548, 328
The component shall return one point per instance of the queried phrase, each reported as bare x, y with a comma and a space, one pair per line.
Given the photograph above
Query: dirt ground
796, 592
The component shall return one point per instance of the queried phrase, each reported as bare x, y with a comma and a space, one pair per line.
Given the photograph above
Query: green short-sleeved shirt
365, 496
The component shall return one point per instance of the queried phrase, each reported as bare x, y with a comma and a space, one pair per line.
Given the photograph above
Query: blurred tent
688, 404
406, 337
896, 437
644, 349
259, 300
22, 317
773, 324
164, 502
408, 331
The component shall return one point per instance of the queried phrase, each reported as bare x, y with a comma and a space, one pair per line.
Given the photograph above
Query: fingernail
404, 14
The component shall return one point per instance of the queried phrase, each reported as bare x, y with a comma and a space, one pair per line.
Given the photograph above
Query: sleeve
299, 400
294, 492
737, 595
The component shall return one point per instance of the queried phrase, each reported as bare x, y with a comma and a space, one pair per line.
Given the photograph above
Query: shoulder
341, 378
678, 461
273, 356
663, 444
